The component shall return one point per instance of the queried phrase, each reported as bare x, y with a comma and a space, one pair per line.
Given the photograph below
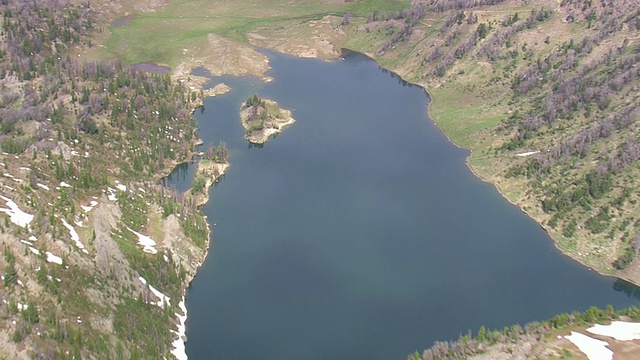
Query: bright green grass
461, 121
161, 36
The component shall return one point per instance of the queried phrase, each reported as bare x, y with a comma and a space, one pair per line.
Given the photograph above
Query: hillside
96, 255
601, 333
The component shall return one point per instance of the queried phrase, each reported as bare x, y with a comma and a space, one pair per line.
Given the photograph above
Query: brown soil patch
313, 39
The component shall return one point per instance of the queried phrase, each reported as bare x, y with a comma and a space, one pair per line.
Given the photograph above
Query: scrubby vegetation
262, 119
544, 94
78, 138
513, 336
256, 114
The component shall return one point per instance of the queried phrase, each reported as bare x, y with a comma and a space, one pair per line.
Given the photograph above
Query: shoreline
191, 83
179, 338
483, 179
203, 199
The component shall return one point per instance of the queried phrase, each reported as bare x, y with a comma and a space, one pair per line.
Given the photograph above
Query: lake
359, 232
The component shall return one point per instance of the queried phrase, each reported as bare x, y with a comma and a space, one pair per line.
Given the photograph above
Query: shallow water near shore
359, 232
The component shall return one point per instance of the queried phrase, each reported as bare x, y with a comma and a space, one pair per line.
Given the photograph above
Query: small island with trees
262, 118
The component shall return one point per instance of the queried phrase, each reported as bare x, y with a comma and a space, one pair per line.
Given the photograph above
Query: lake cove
360, 232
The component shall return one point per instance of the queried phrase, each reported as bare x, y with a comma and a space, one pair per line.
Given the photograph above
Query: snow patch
529, 153
16, 215
64, 184
148, 244
34, 250
619, 330
179, 350
164, 299
121, 187
112, 194
74, 236
53, 258
89, 207
12, 177
43, 186
593, 348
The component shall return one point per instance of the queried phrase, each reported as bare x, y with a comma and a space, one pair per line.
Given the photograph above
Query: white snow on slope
90, 207
74, 236
619, 330
163, 299
594, 349
179, 350
529, 153
112, 194
16, 215
148, 244
53, 258
13, 177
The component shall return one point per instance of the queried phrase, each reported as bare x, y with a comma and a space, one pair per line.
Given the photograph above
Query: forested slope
96, 254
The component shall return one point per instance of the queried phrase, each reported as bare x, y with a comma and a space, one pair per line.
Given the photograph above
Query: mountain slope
96, 254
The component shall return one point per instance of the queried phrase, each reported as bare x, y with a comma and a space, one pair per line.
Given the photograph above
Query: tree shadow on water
628, 288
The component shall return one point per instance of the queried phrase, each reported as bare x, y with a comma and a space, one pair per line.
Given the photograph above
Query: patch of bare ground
312, 39
108, 257
182, 249
226, 57
127, 7
220, 56
11, 349
522, 351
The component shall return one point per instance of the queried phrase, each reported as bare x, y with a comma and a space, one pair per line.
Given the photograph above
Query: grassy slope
160, 36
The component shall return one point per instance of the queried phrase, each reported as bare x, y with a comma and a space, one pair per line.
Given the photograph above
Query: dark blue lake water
359, 232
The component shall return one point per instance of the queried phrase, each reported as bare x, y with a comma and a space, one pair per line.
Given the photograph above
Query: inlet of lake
359, 232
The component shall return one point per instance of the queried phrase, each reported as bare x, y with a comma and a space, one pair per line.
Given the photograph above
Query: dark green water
359, 233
